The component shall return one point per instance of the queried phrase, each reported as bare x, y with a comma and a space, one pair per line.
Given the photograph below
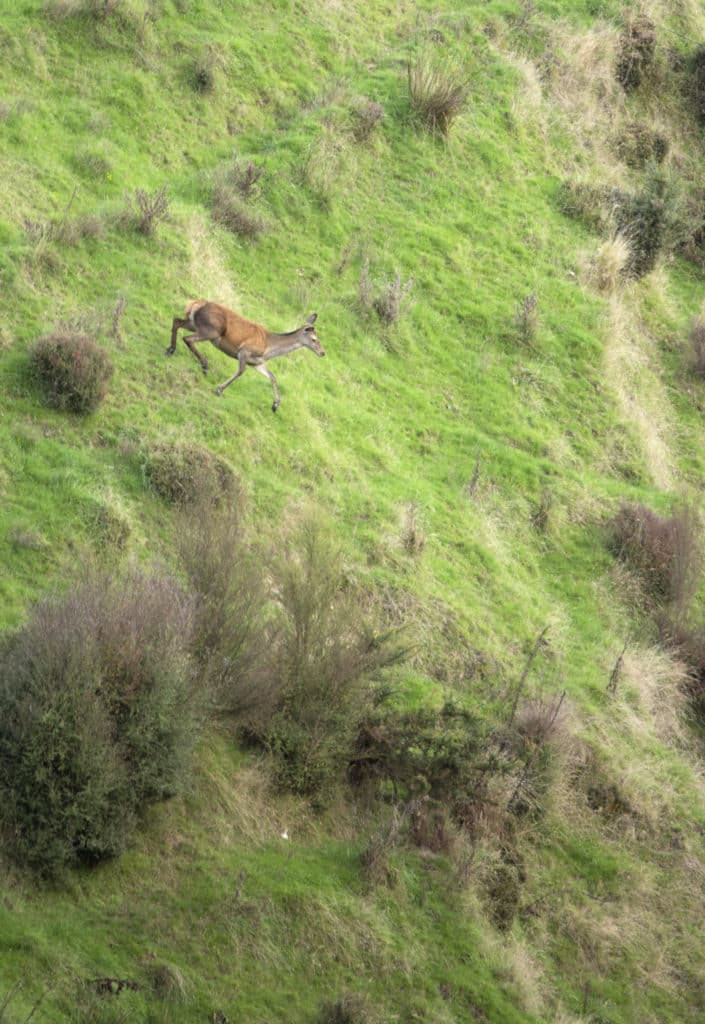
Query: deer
248, 342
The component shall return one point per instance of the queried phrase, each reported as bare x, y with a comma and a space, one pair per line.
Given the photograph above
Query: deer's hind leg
261, 368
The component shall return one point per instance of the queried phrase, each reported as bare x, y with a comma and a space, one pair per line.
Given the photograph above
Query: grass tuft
438, 93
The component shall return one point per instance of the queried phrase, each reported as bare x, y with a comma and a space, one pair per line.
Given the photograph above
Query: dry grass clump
328, 159
438, 93
413, 536
606, 271
72, 369
590, 204
637, 51
204, 69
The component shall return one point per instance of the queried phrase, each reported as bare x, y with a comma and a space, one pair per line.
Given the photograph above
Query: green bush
72, 369
185, 474
97, 718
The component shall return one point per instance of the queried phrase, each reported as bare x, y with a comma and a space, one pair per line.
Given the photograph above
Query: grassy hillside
468, 457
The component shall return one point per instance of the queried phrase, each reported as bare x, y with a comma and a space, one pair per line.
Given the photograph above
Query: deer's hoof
275, 407
205, 369
170, 351
219, 392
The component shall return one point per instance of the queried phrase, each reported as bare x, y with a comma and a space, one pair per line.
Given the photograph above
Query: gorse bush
652, 221
637, 51
72, 369
97, 718
438, 93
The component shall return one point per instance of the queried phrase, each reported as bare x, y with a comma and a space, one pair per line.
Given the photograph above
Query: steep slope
468, 456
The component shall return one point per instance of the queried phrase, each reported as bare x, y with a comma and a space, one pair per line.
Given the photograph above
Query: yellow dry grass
207, 270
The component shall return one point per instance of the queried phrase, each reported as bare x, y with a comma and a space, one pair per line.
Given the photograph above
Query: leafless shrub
367, 117
233, 213
526, 319
637, 51
664, 551
413, 537
437, 93
233, 632
88, 225
144, 210
245, 175
118, 313
389, 298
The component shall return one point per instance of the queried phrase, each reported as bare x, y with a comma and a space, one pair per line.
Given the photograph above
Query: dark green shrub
637, 51
72, 369
503, 891
186, 474
697, 87
97, 718
638, 145
651, 220
439, 753
438, 93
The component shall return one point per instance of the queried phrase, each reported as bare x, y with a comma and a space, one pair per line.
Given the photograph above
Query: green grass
393, 416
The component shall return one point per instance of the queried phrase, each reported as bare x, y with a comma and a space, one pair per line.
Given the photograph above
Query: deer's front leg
242, 366
270, 376
177, 325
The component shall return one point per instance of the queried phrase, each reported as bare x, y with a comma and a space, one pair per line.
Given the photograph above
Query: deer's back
233, 331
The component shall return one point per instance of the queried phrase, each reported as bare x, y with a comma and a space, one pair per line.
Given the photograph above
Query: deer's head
308, 336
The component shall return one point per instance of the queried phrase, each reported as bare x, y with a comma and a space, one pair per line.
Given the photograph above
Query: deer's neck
282, 344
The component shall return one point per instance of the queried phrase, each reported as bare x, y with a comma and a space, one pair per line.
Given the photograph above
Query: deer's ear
312, 318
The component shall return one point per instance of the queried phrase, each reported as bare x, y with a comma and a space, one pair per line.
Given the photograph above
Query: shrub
664, 551
185, 474
144, 210
437, 93
438, 753
697, 346
96, 718
526, 319
244, 174
637, 50
692, 246
350, 1008
323, 656
389, 298
587, 203
72, 369
638, 145
698, 83
232, 631
367, 117
233, 213
651, 221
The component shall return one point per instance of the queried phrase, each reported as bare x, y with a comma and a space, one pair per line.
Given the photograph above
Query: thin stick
525, 673
614, 678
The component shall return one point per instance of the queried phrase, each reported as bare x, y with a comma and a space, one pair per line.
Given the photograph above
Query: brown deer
248, 342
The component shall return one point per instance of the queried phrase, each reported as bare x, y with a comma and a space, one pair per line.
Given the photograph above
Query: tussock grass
438, 92
608, 269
